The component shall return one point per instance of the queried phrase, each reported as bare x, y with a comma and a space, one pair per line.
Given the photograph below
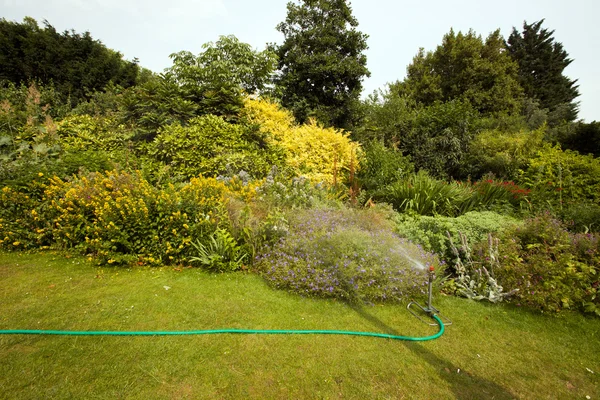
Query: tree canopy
75, 63
542, 62
321, 61
465, 67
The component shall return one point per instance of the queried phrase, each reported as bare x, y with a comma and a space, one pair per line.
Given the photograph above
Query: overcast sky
152, 29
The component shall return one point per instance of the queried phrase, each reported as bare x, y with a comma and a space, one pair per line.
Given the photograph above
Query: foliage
382, 166
321, 61
491, 194
542, 62
435, 137
439, 137
467, 68
209, 145
387, 118
75, 63
118, 217
583, 138
424, 195
555, 177
581, 216
156, 103
228, 63
221, 254
502, 154
346, 254
431, 232
317, 153
84, 132
552, 268
23, 105
476, 280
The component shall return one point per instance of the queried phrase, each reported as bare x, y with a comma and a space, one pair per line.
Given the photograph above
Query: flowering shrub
346, 254
20, 224
297, 192
119, 217
552, 268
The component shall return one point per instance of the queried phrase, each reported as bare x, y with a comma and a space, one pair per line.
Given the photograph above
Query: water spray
429, 309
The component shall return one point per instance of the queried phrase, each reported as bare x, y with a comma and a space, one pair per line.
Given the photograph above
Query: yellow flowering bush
320, 154
20, 224
119, 217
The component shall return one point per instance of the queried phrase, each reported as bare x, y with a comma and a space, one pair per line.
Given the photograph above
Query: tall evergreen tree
321, 61
467, 68
542, 61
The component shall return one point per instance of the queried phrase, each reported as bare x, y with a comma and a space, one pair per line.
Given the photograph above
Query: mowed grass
489, 352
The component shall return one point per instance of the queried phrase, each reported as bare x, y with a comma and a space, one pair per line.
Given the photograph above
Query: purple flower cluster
339, 254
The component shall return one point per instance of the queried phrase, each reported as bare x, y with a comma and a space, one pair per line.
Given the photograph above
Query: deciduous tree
321, 61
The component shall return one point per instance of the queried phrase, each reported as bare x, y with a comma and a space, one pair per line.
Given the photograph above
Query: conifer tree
542, 62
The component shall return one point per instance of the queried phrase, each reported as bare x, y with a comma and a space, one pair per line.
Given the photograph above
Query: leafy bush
320, 154
555, 176
382, 166
431, 232
581, 217
222, 253
552, 268
84, 132
502, 153
209, 144
347, 254
424, 195
119, 217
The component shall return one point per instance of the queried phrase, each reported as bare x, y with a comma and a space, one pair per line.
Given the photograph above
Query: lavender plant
352, 255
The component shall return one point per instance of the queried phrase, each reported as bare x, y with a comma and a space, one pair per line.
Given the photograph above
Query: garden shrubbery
432, 232
346, 254
118, 217
552, 268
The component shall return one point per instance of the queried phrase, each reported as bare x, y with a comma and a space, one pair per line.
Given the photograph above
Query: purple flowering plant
352, 255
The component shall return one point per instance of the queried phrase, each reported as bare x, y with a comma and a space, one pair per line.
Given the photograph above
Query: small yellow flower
111, 261
40, 174
16, 243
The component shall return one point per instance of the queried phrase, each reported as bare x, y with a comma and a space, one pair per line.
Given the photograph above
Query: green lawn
490, 352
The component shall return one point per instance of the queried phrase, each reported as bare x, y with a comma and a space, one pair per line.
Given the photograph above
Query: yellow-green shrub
320, 154
119, 217
557, 176
20, 224
84, 132
209, 145
502, 153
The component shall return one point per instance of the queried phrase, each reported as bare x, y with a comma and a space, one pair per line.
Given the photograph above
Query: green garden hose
234, 331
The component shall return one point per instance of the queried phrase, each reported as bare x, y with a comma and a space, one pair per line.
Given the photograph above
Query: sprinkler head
431, 269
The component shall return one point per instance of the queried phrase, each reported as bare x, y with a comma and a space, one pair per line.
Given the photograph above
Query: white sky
151, 29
